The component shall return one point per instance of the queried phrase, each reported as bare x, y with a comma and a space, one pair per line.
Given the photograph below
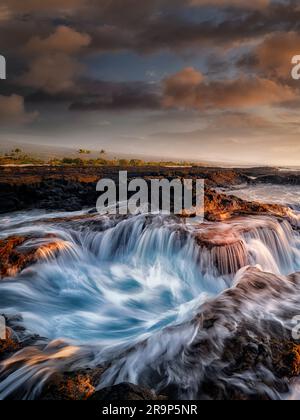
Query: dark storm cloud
12, 7
92, 95
151, 26
117, 96
272, 56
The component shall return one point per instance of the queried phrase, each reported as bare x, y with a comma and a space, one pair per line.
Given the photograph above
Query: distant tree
84, 152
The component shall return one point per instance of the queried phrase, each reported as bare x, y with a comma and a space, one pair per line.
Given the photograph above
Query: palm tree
84, 152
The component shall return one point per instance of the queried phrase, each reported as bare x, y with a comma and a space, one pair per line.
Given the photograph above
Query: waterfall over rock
132, 290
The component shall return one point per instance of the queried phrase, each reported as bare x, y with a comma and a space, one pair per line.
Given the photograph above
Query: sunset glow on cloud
174, 78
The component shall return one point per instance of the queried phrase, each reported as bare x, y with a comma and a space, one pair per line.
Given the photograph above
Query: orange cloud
12, 111
189, 89
5, 13
53, 74
53, 67
275, 53
64, 39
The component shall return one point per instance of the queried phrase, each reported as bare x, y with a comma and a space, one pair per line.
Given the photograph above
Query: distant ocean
290, 168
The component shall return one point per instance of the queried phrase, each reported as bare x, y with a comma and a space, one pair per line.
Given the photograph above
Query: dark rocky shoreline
71, 189
74, 188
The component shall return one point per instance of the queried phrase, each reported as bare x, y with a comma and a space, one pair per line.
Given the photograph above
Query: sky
206, 80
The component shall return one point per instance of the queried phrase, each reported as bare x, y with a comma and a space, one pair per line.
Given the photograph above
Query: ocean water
287, 195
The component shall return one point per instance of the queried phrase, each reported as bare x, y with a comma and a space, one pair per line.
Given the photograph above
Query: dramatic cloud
32, 6
274, 55
254, 4
5, 13
64, 40
92, 55
177, 25
152, 25
157, 25
189, 89
53, 69
52, 74
118, 96
111, 8
12, 111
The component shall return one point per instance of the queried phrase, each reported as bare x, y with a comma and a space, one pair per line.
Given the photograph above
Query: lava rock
126, 392
72, 386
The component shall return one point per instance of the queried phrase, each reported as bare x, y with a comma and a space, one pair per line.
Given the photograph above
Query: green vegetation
114, 162
18, 157
84, 152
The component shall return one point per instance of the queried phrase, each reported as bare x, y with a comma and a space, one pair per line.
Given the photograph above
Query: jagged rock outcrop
15, 256
220, 207
12, 260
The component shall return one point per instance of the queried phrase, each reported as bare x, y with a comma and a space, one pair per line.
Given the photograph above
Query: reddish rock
12, 261
78, 385
9, 346
14, 258
286, 358
220, 207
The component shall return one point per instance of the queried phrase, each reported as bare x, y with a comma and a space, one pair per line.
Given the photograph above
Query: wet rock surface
16, 255
12, 260
72, 386
16, 338
9, 345
247, 352
220, 207
126, 392
260, 357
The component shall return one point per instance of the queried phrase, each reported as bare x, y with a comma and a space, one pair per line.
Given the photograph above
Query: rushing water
129, 290
268, 193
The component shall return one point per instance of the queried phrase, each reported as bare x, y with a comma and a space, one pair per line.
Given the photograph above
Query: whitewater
131, 294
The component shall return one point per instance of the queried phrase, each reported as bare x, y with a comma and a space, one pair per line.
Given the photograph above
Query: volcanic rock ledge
15, 257
220, 207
